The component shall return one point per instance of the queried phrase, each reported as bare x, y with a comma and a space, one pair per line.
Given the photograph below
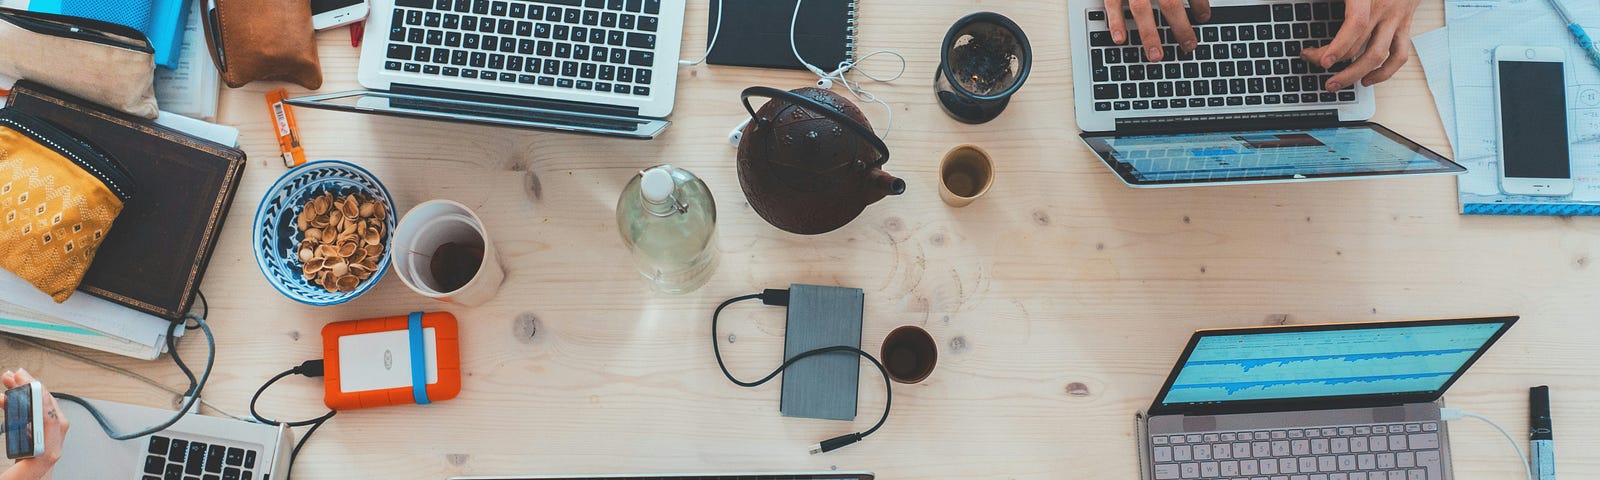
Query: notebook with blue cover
161, 21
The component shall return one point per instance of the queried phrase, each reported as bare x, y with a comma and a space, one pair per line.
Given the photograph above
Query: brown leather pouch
263, 40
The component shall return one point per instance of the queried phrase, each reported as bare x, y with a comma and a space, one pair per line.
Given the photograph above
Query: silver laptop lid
1308, 367
1163, 157
518, 114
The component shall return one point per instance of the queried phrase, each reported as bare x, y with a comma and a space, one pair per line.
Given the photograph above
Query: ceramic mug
965, 173
443, 228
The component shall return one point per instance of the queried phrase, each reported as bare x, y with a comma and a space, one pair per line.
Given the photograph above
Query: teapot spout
887, 184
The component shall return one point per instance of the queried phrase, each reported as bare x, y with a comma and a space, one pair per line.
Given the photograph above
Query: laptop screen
1265, 155
1390, 359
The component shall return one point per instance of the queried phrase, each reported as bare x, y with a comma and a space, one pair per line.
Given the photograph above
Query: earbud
737, 134
825, 83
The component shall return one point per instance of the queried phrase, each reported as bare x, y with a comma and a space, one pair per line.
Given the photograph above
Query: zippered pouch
263, 40
101, 62
59, 196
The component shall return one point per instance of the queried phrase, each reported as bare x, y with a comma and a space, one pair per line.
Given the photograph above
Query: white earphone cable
716, 29
827, 79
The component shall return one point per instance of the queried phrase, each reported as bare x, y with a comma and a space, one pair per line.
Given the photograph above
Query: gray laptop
1241, 108
196, 447
602, 67
1349, 401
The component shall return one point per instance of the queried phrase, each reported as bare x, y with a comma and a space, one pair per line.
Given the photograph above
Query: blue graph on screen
1326, 363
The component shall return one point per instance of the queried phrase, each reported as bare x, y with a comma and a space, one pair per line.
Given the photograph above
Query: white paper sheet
1433, 50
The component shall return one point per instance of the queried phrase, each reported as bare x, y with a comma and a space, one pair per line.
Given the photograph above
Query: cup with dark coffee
442, 251
909, 354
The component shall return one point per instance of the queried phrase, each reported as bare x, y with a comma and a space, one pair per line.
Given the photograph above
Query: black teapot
809, 162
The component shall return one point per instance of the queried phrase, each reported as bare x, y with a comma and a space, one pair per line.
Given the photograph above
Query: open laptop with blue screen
1349, 401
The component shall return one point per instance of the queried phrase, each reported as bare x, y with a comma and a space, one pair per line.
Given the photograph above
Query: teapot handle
818, 107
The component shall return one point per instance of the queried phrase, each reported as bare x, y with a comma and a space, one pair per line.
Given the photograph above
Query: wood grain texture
1059, 300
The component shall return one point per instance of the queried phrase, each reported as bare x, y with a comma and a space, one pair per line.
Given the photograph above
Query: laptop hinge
1227, 122
500, 99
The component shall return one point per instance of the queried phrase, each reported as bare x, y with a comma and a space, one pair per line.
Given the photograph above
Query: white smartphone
25, 421
326, 14
1530, 106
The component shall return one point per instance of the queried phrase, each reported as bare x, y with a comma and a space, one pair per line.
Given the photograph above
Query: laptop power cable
308, 369
191, 395
780, 297
1448, 414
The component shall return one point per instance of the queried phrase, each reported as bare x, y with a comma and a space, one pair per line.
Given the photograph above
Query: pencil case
59, 196
104, 63
263, 40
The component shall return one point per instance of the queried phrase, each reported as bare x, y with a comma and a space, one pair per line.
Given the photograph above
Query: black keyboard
175, 459
1248, 55
605, 46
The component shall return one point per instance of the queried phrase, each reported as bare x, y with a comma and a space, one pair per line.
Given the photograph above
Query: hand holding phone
1531, 108
40, 437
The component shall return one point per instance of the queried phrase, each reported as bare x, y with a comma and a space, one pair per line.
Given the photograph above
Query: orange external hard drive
391, 361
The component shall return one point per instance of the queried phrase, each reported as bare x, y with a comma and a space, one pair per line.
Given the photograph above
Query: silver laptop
693, 476
1241, 108
605, 67
196, 447
1348, 401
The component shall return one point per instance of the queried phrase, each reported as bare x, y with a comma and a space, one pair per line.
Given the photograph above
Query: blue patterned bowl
276, 237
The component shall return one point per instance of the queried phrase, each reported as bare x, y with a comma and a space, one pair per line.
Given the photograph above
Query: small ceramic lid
657, 185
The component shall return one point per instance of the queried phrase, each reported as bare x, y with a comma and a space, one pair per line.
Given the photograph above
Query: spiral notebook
755, 33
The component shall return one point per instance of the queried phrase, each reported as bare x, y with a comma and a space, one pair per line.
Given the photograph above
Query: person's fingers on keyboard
1201, 10
1119, 31
1377, 52
1399, 53
1145, 17
1178, 19
1354, 35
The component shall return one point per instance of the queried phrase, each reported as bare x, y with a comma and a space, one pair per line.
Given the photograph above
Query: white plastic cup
437, 222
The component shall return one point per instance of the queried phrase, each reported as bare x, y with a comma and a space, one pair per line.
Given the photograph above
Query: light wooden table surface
1059, 301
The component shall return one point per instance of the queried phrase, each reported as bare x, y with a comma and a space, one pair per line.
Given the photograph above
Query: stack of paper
83, 320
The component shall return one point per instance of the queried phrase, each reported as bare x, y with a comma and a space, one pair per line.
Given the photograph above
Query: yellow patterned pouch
58, 198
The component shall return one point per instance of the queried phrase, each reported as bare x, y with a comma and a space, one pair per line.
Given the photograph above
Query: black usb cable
780, 297
309, 369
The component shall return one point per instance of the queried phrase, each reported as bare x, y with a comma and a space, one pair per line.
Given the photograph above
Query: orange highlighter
288, 132
395, 360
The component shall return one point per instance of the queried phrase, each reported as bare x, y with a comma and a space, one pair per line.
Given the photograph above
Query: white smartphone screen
1533, 120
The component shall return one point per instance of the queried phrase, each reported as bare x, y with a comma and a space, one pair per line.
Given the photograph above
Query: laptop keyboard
174, 459
1248, 55
1385, 451
605, 46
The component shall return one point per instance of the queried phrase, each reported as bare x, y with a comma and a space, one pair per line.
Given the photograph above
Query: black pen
1541, 441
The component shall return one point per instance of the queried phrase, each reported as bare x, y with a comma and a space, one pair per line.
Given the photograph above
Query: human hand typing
1144, 19
55, 432
1376, 34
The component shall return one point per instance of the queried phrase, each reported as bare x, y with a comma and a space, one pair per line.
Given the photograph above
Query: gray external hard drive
823, 386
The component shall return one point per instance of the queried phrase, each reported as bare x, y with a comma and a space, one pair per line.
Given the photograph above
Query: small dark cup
909, 354
984, 60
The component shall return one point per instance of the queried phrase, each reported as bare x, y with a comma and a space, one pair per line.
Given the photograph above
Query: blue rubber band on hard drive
419, 361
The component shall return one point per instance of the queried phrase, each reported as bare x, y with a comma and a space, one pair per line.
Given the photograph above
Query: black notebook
755, 33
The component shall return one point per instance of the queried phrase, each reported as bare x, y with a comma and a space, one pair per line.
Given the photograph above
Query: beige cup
965, 174
434, 223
